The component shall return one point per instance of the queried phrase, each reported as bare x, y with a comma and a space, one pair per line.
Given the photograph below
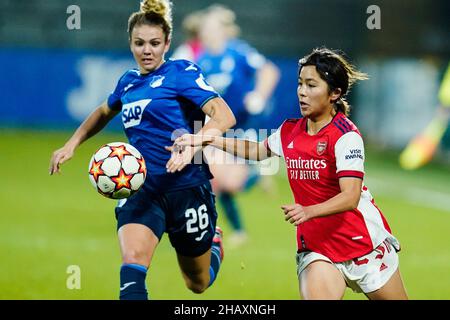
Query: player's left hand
180, 158
295, 214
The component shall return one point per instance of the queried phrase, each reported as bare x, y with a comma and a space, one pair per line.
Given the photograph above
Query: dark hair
153, 13
336, 71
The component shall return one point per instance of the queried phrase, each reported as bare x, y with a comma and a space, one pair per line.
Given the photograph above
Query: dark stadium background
52, 77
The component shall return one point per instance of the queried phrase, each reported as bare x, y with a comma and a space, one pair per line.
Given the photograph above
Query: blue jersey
156, 107
232, 74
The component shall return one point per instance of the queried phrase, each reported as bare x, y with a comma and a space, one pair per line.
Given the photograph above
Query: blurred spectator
421, 149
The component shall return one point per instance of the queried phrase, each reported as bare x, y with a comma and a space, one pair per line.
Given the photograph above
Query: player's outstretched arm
95, 122
221, 119
246, 149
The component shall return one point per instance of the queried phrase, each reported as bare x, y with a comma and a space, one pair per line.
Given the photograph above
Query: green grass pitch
49, 223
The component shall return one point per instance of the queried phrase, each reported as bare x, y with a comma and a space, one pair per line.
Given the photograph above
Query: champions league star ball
117, 170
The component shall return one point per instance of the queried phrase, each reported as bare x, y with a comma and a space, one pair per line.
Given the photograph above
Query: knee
231, 186
135, 256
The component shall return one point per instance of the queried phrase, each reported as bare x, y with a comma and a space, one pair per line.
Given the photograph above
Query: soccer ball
117, 170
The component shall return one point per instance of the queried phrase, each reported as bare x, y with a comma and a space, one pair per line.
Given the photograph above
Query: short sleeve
191, 84
273, 143
114, 99
349, 151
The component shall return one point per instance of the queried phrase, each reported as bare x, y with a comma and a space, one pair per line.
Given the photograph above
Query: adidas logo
291, 145
383, 266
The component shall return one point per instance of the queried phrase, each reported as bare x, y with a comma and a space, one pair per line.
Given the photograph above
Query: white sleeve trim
274, 143
349, 152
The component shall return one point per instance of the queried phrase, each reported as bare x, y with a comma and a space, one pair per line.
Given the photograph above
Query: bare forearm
343, 201
94, 123
246, 149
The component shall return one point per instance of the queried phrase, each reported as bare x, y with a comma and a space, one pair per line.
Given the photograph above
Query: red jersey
314, 165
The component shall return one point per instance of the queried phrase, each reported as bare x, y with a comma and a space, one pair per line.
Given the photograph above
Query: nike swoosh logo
200, 237
126, 285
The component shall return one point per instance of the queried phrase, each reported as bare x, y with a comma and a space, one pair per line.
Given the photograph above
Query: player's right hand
59, 157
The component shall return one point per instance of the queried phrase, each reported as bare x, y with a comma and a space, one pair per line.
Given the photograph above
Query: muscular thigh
392, 290
320, 279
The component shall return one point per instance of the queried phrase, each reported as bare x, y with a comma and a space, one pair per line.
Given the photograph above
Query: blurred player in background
192, 48
343, 238
421, 149
246, 81
155, 100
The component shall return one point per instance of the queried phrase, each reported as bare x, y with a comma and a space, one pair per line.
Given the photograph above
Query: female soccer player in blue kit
156, 100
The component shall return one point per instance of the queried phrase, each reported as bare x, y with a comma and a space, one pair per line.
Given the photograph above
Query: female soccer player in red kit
343, 238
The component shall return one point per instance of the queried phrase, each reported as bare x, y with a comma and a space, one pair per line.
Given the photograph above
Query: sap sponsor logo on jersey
132, 112
354, 154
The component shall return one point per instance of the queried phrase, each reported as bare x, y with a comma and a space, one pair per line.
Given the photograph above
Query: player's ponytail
153, 12
338, 73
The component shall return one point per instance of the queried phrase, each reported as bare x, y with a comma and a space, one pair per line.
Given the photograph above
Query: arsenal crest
321, 147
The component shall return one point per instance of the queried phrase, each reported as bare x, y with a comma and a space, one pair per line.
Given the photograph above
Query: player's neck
145, 72
315, 124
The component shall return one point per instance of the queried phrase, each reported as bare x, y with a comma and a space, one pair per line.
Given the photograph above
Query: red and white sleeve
273, 143
349, 152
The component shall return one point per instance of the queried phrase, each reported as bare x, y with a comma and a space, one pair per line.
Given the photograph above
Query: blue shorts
188, 216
